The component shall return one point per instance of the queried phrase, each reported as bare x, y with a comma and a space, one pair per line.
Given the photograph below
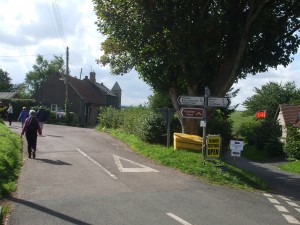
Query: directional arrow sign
190, 100
194, 113
218, 102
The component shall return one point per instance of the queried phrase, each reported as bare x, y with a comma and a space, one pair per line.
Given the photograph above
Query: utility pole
67, 74
67, 104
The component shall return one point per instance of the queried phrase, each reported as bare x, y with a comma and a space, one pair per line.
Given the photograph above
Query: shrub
247, 130
152, 128
292, 146
109, 118
10, 160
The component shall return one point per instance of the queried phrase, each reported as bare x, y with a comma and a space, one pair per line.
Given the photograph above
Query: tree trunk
188, 126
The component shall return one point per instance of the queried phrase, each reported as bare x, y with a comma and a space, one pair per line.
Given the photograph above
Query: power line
57, 21
15, 56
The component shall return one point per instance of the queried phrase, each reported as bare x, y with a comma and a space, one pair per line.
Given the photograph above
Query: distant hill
238, 119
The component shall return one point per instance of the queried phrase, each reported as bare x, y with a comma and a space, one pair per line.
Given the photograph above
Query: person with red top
30, 129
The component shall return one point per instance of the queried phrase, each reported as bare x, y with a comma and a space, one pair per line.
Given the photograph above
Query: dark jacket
41, 115
37, 128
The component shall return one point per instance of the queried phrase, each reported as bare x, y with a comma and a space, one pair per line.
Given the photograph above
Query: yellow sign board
213, 146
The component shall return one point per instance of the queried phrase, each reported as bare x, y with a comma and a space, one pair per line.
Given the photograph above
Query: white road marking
281, 208
268, 195
105, 170
140, 169
273, 200
284, 198
291, 219
178, 219
298, 209
115, 144
292, 204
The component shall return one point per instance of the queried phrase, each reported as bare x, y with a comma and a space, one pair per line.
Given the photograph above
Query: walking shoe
33, 154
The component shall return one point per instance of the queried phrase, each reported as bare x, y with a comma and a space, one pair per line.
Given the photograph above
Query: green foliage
109, 118
238, 119
10, 159
221, 124
152, 128
251, 153
247, 131
293, 167
158, 100
5, 82
188, 44
270, 96
264, 135
292, 146
41, 71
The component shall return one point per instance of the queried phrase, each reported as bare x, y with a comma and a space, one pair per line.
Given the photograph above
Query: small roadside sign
190, 100
236, 147
218, 102
213, 148
235, 153
193, 113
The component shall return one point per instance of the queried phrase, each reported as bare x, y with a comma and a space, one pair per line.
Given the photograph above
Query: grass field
238, 118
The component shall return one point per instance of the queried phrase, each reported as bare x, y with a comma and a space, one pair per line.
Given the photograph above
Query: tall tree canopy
42, 70
182, 45
269, 96
5, 82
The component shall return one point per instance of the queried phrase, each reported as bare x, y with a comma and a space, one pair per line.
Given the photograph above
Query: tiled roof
8, 95
86, 90
289, 113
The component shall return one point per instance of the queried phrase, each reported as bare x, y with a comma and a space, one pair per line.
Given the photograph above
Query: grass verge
218, 173
10, 164
293, 167
251, 153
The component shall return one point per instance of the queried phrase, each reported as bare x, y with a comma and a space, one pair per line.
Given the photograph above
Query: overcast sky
47, 27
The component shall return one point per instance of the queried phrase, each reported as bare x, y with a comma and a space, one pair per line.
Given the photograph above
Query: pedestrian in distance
30, 129
10, 112
42, 116
23, 116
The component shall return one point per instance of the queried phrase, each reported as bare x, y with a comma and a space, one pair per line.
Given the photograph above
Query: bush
10, 160
222, 125
109, 118
292, 146
247, 130
152, 128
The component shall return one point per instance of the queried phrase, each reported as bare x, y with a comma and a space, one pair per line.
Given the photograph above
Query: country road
82, 176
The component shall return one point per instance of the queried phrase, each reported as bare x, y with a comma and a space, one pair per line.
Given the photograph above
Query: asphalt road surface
81, 176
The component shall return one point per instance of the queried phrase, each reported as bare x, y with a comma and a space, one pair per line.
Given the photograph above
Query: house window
53, 107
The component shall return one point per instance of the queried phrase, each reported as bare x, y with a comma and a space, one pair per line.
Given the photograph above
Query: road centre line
178, 219
105, 170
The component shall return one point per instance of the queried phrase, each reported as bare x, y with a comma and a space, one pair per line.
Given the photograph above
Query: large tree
269, 96
42, 70
182, 45
5, 82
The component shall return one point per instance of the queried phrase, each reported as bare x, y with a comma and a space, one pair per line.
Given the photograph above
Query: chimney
93, 76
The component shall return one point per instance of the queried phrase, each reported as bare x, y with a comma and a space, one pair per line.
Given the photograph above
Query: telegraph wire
16, 56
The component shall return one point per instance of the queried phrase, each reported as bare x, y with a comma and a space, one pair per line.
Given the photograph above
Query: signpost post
200, 113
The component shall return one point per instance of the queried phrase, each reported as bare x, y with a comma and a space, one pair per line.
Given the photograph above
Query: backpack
32, 125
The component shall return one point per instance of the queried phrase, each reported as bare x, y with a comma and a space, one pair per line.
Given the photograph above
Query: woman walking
31, 128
